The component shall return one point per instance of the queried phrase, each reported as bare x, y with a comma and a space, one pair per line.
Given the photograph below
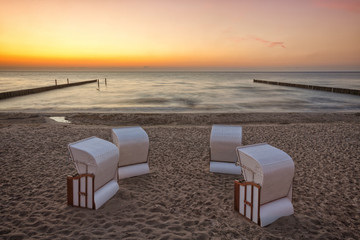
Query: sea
178, 92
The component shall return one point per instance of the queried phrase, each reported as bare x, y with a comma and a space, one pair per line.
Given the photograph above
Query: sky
180, 34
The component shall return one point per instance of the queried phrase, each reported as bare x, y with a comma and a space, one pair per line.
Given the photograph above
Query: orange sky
200, 34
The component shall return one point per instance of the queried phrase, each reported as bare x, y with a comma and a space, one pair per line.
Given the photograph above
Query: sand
180, 198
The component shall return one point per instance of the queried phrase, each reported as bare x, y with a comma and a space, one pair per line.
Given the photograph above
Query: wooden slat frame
237, 203
236, 195
70, 197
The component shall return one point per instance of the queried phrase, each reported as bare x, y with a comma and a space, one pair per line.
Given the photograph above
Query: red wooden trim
250, 183
245, 195
86, 191
70, 197
93, 191
236, 195
246, 202
78, 176
259, 206
79, 192
252, 199
70, 183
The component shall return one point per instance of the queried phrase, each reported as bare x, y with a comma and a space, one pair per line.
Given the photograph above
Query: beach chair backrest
223, 142
133, 145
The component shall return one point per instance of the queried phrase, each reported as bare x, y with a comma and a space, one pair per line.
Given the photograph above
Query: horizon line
184, 69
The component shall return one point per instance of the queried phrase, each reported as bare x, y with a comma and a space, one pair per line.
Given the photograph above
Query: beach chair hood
271, 168
97, 156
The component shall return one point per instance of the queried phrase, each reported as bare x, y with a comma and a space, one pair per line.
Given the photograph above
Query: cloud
344, 5
233, 37
269, 43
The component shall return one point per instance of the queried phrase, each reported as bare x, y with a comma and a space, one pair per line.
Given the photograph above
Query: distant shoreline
113, 119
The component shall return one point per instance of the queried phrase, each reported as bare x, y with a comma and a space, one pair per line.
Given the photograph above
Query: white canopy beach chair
96, 163
133, 145
267, 193
223, 142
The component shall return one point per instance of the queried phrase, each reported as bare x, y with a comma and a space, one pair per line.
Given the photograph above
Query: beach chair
96, 182
223, 142
133, 145
266, 193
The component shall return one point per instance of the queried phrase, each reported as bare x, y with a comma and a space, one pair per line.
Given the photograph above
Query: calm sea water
180, 92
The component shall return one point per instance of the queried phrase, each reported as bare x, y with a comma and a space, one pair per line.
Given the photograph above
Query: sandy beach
180, 198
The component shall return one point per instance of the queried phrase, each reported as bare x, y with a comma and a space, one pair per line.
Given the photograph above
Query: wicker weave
97, 156
133, 144
223, 142
269, 167
273, 170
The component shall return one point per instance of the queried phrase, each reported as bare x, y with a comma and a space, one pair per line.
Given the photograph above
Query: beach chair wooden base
80, 191
247, 202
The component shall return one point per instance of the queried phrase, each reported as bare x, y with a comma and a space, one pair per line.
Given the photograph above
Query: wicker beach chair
223, 142
133, 145
266, 194
96, 182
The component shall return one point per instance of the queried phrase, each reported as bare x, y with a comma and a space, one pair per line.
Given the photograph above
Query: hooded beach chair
96, 182
133, 145
266, 194
223, 142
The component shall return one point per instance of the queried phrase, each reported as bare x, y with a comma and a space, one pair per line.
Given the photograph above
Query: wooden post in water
67, 81
5, 95
98, 82
312, 87
105, 82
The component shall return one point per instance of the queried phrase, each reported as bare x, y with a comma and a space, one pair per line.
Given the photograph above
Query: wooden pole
312, 87
4, 95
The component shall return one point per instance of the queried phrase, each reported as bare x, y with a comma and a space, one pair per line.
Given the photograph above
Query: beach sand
180, 198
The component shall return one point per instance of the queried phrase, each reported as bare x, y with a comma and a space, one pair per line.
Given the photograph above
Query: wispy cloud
230, 34
269, 43
345, 5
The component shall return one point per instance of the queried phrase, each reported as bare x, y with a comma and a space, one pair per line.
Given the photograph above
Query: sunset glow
231, 34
